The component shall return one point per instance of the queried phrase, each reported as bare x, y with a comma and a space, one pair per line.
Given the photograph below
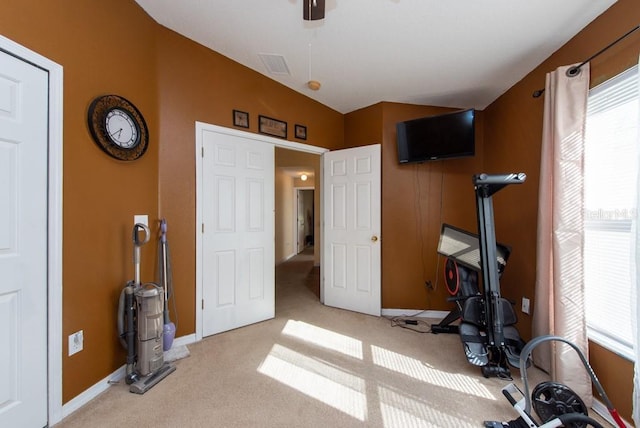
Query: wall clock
118, 127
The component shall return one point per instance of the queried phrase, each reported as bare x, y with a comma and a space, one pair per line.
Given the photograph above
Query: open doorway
296, 171
297, 212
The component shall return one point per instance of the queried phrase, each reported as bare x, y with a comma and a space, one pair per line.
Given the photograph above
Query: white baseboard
185, 340
92, 392
115, 377
424, 313
284, 259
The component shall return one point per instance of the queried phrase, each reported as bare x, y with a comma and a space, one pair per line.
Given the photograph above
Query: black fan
313, 10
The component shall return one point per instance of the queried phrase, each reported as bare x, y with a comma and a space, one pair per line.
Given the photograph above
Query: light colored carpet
312, 366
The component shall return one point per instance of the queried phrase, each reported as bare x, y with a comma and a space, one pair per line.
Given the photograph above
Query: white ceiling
451, 53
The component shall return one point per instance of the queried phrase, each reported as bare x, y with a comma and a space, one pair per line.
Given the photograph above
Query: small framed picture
274, 127
241, 119
301, 132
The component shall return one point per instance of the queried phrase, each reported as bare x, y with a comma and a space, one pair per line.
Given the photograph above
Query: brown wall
114, 47
513, 131
417, 199
104, 47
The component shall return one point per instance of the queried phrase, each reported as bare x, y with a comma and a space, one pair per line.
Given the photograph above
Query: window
611, 186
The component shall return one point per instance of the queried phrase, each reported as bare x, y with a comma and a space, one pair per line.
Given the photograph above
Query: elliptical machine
140, 325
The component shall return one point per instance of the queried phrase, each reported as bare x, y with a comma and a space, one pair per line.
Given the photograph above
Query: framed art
241, 119
274, 127
301, 132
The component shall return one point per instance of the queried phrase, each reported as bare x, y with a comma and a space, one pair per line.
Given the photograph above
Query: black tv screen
450, 135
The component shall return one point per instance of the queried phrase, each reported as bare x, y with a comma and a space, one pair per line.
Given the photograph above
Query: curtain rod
575, 70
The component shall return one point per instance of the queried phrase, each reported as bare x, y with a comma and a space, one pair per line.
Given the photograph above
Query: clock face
122, 129
117, 127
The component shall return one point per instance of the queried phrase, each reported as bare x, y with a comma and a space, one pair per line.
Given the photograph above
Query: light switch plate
141, 218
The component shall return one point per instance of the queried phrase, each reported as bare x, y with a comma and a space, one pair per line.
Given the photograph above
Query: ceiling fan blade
312, 10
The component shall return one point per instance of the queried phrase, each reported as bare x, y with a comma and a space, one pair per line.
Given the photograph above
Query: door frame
295, 214
200, 127
54, 221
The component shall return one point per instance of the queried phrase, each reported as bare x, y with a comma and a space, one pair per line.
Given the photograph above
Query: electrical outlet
525, 305
76, 342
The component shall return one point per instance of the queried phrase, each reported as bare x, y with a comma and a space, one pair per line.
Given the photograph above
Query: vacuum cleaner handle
163, 231
137, 243
136, 234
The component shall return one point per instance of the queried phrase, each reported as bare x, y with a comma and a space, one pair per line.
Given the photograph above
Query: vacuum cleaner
164, 268
555, 404
140, 325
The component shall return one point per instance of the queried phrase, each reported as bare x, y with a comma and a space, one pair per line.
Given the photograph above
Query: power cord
410, 323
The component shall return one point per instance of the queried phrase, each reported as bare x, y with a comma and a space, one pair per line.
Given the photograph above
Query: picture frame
240, 119
301, 132
271, 126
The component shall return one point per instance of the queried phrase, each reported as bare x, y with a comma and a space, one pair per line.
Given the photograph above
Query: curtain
559, 289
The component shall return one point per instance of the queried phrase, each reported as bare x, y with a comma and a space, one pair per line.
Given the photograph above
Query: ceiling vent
275, 64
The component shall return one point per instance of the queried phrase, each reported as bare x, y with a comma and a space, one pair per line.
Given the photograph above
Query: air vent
275, 64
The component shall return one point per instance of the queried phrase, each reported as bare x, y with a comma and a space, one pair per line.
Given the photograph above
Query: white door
351, 239
23, 243
300, 214
238, 253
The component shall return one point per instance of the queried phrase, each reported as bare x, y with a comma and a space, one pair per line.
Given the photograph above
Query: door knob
374, 238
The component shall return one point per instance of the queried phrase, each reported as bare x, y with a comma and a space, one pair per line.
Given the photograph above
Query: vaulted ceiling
451, 53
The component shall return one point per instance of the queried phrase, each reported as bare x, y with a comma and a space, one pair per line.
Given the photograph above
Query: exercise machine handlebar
488, 184
513, 178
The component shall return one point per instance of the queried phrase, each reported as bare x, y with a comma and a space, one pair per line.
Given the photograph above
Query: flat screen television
450, 135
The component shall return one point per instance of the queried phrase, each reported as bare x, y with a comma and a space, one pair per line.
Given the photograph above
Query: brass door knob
374, 238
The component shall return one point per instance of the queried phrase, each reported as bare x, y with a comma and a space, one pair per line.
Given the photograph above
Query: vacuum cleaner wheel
552, 399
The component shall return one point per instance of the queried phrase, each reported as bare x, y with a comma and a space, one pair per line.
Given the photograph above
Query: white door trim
54, 250
276, 142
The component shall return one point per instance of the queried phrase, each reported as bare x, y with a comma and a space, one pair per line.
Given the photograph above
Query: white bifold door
23, 243
351, 220
238, 254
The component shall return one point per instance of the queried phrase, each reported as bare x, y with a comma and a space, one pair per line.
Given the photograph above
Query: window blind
611, 175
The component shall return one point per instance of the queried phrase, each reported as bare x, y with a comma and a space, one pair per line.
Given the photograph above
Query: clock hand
117, 132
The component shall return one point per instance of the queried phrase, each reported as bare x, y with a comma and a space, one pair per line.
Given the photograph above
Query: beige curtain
559, 294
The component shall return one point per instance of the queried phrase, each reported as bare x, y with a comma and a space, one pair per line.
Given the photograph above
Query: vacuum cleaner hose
126, 334
121, 319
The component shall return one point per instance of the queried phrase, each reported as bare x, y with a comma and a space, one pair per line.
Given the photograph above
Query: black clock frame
96, 119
